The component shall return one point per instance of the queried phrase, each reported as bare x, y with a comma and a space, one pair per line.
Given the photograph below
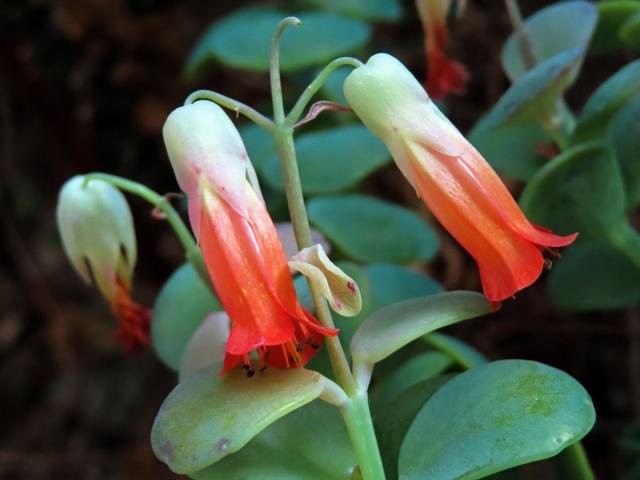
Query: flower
452, 178
444, 76
239, 242
98, 237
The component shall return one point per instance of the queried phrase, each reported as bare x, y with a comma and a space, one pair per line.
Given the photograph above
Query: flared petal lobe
452, 178
240, 244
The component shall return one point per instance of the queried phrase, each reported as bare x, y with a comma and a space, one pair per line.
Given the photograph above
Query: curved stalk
231, 104
316, 84
192, 251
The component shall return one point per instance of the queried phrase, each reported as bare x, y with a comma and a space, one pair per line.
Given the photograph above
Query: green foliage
365, 9
333, 89
370, 230
259, 144
460, 352
581, 190
534, 95
207, 417
395, 326
310, 443
613, 15
390, 284
331, 160
595, 275
511, 149
625, 141
495, 417
548, 34
180, 308
243, 40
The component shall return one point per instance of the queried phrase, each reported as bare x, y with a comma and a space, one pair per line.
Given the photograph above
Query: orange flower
452, 178
444, 76
98, 236
241, 247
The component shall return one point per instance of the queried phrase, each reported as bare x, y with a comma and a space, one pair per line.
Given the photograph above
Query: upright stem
575, 463
192, 252
356, 410
522, 37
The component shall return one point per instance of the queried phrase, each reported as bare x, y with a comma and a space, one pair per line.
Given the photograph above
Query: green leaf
625, 141
392, 420
390, 283
511, 149
180, 308
594, 276
295, 447
630, 31
333, 87
606, 102
612, 16
370, 230
495, 417
207, 417
243, 40
393, 327
535, 94
462, 353
259, 144
418, 368
332, 160
581, 190
364, 9
548, 34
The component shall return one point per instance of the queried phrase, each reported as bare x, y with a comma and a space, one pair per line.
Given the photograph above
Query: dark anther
263, 369
299, 347
292, 360
246, 366
548, 264
315, 346
308, 340
250, 373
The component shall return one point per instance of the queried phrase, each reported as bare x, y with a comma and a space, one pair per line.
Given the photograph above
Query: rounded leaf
612, 15
625, 141
207, 417
369, 230
581, 190
331, 160
495, 417
365, 9
180, 308
295, 447
548, 34
630, 31
594, 276
243, 40
462, 353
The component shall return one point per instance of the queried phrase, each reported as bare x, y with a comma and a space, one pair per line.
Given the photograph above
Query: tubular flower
444, 75
451, 177
97, 233
241, 248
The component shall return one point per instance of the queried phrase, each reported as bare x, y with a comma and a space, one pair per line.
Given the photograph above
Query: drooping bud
452, 178
98, 236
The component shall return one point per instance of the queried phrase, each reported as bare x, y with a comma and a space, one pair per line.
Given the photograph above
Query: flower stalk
192, 252
355, 411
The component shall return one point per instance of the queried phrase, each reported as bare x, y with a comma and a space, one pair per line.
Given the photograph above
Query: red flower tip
444, 76
134, 321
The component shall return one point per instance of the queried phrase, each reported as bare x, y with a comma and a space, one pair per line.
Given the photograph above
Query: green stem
316, 84
522, 37
231, 104
192, 252
356, 410
575, 463
357, 418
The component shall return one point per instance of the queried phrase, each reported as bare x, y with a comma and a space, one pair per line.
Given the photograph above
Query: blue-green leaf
331, 160
462, 353
613, 14
207, 417
365, 9
180, 308
243, 40
495, 417
370, 230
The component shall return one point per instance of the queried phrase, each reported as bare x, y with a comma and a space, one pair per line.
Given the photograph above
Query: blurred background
85, 85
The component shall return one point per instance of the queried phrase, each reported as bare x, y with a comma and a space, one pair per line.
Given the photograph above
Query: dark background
85, 85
